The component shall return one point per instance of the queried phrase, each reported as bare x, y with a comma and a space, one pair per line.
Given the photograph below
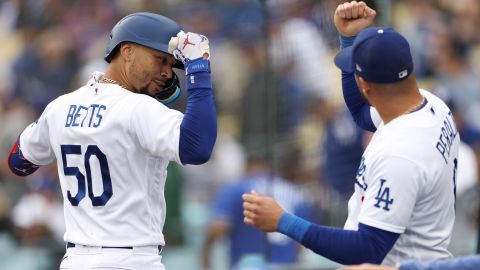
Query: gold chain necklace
416, 106
105, 79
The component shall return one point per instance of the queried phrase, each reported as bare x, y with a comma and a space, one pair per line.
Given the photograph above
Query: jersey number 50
92, 150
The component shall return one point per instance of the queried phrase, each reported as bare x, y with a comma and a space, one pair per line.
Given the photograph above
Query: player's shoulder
434, 100
405, 139
431, 114
146, 100
392, 157
63, 99
143, 105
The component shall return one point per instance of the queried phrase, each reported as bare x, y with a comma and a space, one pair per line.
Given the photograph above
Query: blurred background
283, 126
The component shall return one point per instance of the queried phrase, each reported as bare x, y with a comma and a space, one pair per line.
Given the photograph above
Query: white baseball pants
100, 258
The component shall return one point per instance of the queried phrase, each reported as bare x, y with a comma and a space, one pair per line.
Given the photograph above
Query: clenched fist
352, 17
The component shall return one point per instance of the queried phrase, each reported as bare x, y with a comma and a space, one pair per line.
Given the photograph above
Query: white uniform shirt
406, 180
112, 148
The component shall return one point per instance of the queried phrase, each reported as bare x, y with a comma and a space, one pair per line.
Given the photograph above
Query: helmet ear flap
171, 91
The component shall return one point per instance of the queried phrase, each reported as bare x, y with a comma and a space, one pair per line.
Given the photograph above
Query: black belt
72, 245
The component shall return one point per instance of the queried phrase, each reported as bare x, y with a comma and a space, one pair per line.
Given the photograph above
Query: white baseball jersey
406, 182
112, 148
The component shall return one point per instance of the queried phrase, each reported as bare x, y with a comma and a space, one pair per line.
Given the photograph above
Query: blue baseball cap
378, 54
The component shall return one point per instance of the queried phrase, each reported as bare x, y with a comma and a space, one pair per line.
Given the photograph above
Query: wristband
197, 65
346, 41
199, 81
293, 226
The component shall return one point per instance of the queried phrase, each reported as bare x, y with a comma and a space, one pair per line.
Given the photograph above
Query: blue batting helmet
147, 29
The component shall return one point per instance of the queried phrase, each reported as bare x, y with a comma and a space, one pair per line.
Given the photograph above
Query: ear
363, 85
127, 51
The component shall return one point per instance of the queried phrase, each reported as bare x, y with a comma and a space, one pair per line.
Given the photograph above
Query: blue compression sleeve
464, 263
357, 105
346, 41
293, 226
198, 130
18, 164
367, 245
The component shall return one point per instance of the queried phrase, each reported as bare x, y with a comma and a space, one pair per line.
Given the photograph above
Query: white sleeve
157, 128
391, 195
376, 119
35, 141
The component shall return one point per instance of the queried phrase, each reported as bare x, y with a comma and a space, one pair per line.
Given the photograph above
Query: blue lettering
77, 115
99, 115
445, 140
442, 150
451, 122
71, 111
447, 136
86, 109
94, 106
82, 116
449, 129
383, 196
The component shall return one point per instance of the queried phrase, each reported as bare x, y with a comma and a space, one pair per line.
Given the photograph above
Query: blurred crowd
283, 127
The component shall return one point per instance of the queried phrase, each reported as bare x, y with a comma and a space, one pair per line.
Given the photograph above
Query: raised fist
189, 46
352, 17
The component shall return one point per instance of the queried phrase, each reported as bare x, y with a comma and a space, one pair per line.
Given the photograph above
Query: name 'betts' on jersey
406, 182
112, 159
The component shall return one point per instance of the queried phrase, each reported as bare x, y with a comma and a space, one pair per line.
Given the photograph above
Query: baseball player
403, 204
112, 140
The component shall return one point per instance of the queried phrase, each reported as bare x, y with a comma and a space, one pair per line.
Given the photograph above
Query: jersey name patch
447, 135
77, 114
383, 196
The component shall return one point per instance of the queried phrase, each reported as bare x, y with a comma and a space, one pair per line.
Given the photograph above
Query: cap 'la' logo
359, 69
402, 74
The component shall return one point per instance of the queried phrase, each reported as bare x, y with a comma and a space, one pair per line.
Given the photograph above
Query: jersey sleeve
35, 141
157, 128
391, 195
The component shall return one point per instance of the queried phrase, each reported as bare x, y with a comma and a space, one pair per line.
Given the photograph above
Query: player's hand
261, 211
352, 17
367, 266
189, 46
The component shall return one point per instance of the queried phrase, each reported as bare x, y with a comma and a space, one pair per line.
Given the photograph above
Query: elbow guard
18, 164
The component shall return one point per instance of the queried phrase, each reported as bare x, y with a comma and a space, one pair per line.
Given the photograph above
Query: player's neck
405, 100
400, 108
115, 74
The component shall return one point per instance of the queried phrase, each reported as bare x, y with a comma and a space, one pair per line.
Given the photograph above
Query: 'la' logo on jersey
360, 178
383, 196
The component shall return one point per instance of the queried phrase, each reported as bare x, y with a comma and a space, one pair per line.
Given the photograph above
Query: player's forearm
358, 107
198, 130
18, 164
367, 245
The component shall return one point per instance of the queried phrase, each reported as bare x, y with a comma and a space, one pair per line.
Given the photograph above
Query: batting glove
189, 46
